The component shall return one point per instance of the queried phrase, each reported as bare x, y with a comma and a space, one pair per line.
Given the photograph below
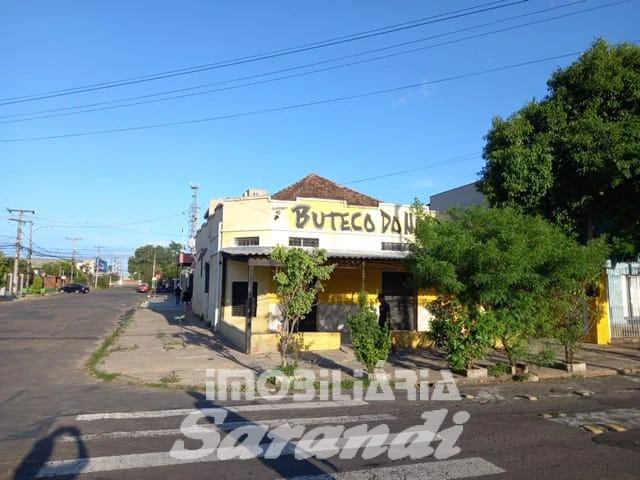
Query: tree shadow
325, 362
41, 453
285, 465
422, 358
609, 352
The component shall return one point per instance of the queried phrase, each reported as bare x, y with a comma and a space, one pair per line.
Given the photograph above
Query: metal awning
258, 251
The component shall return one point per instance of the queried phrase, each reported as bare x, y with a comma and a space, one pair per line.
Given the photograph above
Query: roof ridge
314, 185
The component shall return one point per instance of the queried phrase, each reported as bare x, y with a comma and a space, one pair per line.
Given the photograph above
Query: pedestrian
384, 317
178, 293
186, 299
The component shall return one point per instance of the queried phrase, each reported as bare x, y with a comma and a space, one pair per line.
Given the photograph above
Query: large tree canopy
574, 156
141, 264
500, 274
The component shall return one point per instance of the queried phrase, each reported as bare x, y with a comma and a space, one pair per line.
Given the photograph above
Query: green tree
298, 279
574, 156
58, 267
501, 275
166, 259
37, 285
4, 268
371, 342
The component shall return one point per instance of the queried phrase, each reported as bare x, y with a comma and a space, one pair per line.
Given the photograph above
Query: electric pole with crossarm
15, 288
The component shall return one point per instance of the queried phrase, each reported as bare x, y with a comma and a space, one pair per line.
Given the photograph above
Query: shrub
544, 358
37, 285
371, 342
499, 369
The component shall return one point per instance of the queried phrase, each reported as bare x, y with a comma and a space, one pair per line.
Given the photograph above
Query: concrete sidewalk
157, 348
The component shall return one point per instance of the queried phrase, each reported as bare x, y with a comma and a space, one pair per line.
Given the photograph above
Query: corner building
365, 238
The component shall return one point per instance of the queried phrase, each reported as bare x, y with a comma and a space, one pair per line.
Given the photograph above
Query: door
396, 287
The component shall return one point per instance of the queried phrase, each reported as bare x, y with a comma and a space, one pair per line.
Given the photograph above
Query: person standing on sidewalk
186, 299
178, 293
384, 318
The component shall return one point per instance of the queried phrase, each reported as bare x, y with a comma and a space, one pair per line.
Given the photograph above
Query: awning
258, 251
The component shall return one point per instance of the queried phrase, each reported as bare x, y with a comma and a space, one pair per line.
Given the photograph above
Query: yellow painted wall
344, 286
600, 331
247, 217
238, 272
315, 341
411, 339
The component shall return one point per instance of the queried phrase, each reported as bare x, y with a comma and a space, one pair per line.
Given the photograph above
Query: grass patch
120, 348
99, 355
173, 377
521, 378
499, 369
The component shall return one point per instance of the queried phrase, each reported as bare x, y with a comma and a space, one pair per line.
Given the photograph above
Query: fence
624, 299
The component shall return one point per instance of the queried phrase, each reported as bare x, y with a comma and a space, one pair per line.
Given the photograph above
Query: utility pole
30, 222
195, 214
73, 255
20, 220
153, 275
95, 270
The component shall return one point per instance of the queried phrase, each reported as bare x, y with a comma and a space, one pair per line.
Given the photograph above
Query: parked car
164, 288
143, 288
75, 288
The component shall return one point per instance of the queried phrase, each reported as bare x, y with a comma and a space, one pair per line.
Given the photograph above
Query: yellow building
233, 286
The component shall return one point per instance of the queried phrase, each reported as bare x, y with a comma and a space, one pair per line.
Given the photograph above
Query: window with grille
303, 242
395, 246
239, 296
247, 241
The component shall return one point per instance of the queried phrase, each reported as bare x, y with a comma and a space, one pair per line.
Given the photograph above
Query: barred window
303, 242
247, 241
395, 246
239, 296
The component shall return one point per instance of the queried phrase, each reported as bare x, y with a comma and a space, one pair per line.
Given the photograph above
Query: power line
335, 67
458, 159
294, 106
290, 51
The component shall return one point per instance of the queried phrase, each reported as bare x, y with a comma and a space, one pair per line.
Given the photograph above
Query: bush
499, 369
465, 337
544, 358
37, 285
371, 342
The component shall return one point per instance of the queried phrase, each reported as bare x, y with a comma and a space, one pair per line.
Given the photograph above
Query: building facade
460, 197
365, 238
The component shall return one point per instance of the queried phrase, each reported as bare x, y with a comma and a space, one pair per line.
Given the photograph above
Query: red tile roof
315, 186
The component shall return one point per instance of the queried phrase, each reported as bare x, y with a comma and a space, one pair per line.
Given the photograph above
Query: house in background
365, 237
459, 197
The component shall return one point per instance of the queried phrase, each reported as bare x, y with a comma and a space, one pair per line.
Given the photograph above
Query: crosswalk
127, 443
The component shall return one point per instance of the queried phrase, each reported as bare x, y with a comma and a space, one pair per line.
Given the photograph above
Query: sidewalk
156, 350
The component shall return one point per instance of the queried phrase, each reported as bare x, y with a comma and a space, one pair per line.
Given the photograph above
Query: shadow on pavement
285, 466
41, 453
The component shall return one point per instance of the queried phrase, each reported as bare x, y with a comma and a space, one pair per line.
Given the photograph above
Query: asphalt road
56, 421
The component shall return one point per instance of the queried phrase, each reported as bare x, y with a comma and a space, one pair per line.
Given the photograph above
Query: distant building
460, 197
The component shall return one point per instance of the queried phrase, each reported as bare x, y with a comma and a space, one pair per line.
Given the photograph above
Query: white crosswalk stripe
443, 470
226, 427
108, 462
257, 407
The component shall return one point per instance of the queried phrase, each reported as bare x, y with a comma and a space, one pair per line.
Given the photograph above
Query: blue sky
125, 189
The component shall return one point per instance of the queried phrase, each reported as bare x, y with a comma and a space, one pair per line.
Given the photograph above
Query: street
56, 421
